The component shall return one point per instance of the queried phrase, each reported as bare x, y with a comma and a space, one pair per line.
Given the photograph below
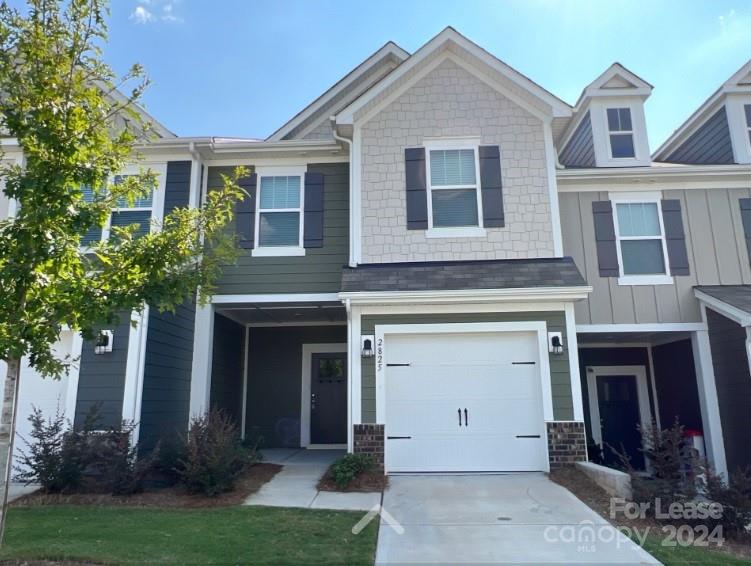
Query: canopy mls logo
372, 514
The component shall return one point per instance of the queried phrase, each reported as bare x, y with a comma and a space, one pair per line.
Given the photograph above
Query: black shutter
417, 189
313, 212
607, 254
491, 186
746, 219
675, 238
245, 212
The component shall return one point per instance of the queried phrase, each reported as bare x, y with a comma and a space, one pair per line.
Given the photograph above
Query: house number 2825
379, 354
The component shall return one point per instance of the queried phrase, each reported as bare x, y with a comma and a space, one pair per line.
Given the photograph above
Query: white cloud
159, 10
141, 15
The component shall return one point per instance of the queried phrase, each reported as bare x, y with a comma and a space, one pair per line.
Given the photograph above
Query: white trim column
573, 363
354, 370
710, 408
134, 369
203, 344
71, 397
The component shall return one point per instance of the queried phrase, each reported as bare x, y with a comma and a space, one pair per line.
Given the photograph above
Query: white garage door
46, 394
464, 402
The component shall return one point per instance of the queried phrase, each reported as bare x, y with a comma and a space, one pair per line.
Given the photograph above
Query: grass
675, 555
117, 535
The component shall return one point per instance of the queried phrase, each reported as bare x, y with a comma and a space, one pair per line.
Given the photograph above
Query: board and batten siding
319, 270
716, 253
559, 364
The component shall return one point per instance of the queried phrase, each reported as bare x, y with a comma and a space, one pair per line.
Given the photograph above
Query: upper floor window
453, 195
620, 133
279, 221
747, 110
641, 239
125, 214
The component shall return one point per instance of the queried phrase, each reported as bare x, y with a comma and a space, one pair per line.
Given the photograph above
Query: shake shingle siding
709, 145
580, 149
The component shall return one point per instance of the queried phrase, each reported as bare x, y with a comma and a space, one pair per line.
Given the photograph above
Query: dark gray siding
227, 367
101, 378
563, 408
580, 149
320, 270
274, 374
710, 144
728, 343
675, 381
169, 344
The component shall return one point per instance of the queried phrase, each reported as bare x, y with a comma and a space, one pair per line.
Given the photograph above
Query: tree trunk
7, 435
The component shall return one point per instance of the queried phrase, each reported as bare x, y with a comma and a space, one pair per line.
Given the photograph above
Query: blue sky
244, 67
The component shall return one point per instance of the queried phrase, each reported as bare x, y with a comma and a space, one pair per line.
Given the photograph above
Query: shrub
735, 497
349, 467
214, 455
54, 458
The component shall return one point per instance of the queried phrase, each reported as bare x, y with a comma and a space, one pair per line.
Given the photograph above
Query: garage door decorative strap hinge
527, 436
396, 365
398, 437
523, 363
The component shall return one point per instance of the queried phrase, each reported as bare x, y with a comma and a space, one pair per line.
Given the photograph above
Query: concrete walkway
519, 518
295, 485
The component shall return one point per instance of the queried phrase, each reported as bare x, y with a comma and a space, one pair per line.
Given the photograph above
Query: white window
747, 111
642, 251
279, 214
620, 133
454, 203
125, 214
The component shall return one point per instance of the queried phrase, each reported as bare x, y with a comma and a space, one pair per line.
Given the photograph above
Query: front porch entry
280, 369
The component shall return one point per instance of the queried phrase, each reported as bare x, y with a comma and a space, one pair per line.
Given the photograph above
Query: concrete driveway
496, 518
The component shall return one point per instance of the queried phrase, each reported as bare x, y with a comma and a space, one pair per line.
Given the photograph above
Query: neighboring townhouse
445, 266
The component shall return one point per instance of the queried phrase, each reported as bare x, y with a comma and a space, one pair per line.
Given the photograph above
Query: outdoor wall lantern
367, 347
555, 343
104, 342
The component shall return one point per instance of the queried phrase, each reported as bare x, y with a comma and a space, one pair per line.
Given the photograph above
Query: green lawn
675, 555
116, 535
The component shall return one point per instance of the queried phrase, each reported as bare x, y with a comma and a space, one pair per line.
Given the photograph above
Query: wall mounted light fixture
367, 346
555, 343
104, 342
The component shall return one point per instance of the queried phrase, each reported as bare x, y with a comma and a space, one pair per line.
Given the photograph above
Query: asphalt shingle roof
738, 296
461, 275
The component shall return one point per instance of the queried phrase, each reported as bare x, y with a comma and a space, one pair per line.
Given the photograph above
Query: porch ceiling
278, 313
621, 338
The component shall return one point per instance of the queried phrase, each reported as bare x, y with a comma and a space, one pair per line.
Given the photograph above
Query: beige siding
716, 252
452, 102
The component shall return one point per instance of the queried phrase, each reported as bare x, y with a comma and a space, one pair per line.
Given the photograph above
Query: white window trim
601, 133
650, 279
454, 231
610, 132
739, 130
279, 251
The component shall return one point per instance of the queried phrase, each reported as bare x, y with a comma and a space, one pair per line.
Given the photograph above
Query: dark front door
328, 399
619, 417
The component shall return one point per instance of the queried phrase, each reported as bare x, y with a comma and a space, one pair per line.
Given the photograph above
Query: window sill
645, 280
278, 252
464, 232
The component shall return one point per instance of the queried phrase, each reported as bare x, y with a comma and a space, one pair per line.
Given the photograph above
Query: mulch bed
598, 500
165, 497
364, 482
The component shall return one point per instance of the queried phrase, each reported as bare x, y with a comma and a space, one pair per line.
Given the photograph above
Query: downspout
351, 190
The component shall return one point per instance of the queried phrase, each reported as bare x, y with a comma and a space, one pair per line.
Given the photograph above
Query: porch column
573, 363
354, 370
203, 341
710, 408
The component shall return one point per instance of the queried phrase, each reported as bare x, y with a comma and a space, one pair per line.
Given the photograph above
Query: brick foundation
369, 440
567, 443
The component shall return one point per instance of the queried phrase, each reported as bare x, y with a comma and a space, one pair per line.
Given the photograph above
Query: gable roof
389, 51
740, 81
450, 36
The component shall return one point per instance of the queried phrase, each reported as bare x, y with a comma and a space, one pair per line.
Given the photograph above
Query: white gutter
352, 262
666, 171
540, 294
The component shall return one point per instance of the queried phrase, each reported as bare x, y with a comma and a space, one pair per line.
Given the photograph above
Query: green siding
559, 367
274, 374
320, 270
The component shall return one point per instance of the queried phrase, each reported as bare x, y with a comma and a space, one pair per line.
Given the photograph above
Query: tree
60, 101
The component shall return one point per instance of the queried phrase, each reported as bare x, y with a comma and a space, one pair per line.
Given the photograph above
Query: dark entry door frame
310, 353
595, 374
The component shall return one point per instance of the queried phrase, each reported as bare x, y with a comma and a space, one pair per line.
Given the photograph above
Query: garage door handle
527, 436
460, 416
465, 418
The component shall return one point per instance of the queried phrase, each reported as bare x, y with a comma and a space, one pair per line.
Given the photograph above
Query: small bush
54, 458
214, 455
349, 467
735, 497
